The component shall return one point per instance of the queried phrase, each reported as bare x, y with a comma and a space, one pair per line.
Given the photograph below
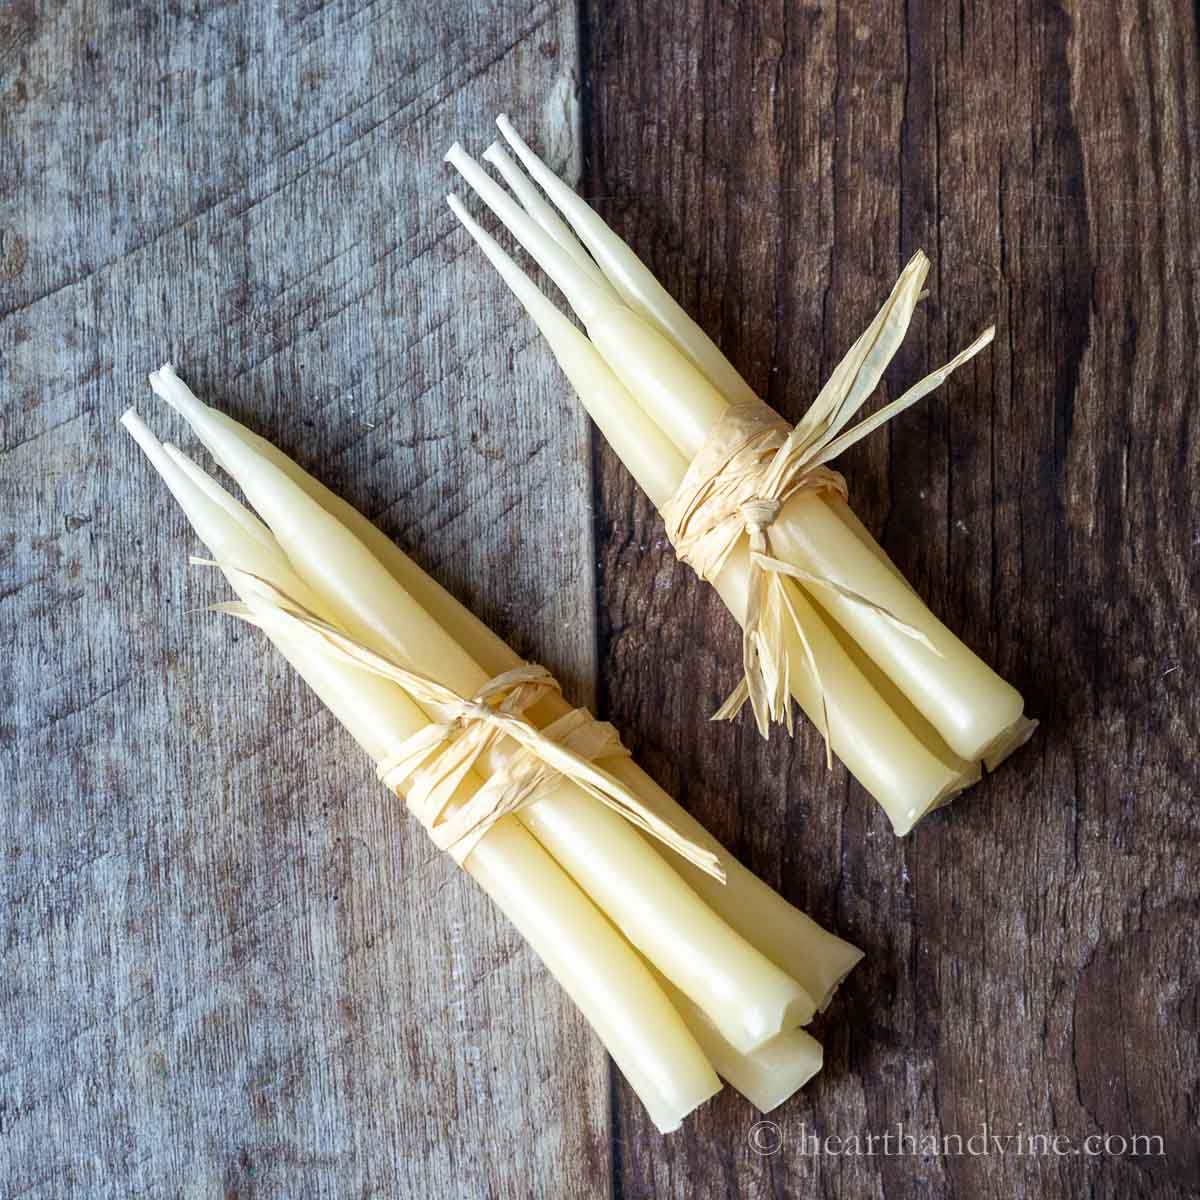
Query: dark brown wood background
1031, 952
230, 967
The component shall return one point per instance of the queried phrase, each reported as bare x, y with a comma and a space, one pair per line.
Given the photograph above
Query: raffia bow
752, 463
427, 768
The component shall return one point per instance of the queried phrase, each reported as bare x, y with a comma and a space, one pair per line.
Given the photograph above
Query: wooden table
231, 966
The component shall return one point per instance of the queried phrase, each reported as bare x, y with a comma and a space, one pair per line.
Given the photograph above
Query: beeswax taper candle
639, 1026
905, 776
770, 1066
745, 995
815, 958
747, 472
972, 708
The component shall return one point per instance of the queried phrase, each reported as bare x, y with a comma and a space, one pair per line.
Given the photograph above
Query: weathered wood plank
777, 164
231, 966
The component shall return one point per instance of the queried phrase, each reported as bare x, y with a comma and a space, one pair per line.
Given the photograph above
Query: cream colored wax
745, 995
769, 1075
975, 712
638, 1025
816, 959
877, 747
1022, 729
961, 696
628, 275
905, 776
968, 704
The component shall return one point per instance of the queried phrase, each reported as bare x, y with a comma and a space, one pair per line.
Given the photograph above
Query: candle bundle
684, 963
752, 505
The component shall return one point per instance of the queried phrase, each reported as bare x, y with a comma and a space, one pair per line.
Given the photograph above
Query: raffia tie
751, 464
428, 768
738, 484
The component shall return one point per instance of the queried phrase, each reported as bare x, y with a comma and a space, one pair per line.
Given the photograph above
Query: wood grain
231, 965
777, 164
231, 968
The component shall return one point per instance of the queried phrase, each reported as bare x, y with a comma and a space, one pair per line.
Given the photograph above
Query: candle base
968, 779
1010, 741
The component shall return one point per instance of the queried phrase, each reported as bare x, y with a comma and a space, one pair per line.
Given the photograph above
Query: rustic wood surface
231, 967
1032, 950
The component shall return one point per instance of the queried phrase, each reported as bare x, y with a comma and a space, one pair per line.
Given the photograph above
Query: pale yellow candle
633, 281
900, 704
810, 954
648, 453
669, 389
1024, 727
880, 751
618, 333
768, 1076
532, 202
850, 519
662, 1061
964, 699
745, 995
970, 706
816, 959
610, 984
974, 711
905, 776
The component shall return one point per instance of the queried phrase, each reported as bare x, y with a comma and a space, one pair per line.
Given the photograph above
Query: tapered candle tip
169, 387
139, 431
511, 136
454, 153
